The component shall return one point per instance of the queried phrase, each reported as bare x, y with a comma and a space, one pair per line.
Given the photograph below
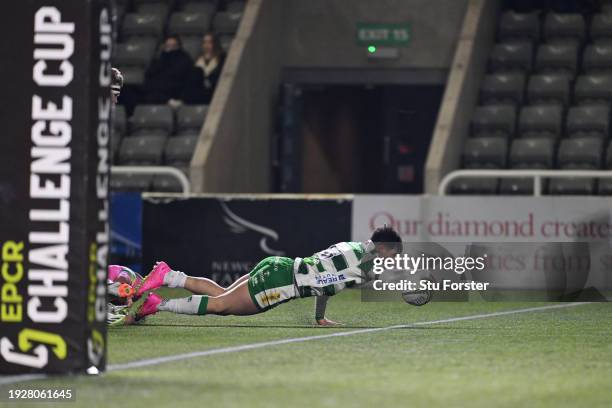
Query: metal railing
536, 175
155, 170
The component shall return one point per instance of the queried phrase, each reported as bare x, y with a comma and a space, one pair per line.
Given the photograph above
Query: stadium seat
180, 149
558, 58
485, 153
200, 6
548, 90
494, 121
136, 24
189, 23
158, 8
142, 150
589, 121
130, 182
571, 186
167, 184
584, 153
597, 58
515, 56
474, 186
226, 41
593, 89
189, 118
136, 51
497, 89
534, 153
604, 187
226, 23
609, 157
235, 6
115, 143
119, 120
564, 27
516, 186
132, 75
151, 117
192, 44
519, 26
540, 121
601, 28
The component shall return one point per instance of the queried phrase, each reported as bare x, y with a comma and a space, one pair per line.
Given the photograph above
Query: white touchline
253, 346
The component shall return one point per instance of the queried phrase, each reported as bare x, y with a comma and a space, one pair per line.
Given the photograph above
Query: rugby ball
417, 297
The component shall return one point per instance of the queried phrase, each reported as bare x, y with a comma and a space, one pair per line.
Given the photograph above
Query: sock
175, 279
192, 305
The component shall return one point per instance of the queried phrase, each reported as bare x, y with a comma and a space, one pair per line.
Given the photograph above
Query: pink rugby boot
155, 278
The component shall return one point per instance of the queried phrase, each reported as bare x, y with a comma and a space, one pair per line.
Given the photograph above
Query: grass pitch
548, 358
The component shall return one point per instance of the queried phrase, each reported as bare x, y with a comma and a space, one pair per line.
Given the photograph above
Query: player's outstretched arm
320, 306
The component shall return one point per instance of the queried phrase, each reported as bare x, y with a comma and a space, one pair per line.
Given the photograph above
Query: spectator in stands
207, 71
165, 79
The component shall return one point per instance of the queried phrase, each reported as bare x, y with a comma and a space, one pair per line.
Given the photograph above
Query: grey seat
131, 182
589, 121
503, 89
557, 58
485, 153
152, 117
189, 118
132, 75
571, 186
532, 153
519, 26
200, 6
564, 27
192, 44
226, 41
584, 153
235, 6
136, 51
158, 7
140, 24
494, 121
601, 28
516, 186
604, 187
167, 184
142, 150
115, 143
514, 56
119, 120
593, 89
597, 58
226, 23
474, 186
179, 149
189, 23
548, 90
540, 121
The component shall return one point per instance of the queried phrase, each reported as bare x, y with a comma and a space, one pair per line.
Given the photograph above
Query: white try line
254, 346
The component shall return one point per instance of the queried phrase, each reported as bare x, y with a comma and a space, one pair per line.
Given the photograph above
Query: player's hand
326, 322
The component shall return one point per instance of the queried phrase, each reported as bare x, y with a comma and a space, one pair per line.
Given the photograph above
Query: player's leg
236, 301
163, 275
204, 286
268, 285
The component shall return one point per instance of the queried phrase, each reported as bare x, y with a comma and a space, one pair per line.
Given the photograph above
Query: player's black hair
386, 235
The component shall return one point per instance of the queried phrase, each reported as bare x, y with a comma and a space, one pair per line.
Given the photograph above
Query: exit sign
383, 34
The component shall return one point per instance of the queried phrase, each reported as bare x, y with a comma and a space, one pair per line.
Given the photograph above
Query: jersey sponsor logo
329, 278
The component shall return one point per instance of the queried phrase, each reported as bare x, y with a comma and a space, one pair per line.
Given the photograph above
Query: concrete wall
461, 94
322, 33
233, 152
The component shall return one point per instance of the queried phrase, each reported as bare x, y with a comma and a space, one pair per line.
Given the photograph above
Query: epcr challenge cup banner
54, 160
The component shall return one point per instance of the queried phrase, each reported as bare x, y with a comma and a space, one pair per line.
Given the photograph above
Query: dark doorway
356, 139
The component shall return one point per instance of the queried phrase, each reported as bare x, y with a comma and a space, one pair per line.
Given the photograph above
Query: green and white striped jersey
329, 271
